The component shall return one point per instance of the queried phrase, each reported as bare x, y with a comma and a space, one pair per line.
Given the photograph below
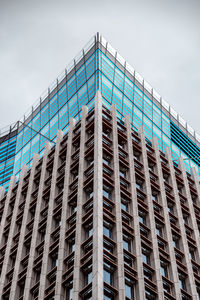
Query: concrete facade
104, 214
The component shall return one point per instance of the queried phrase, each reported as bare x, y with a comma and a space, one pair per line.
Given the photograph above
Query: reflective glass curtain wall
98, 66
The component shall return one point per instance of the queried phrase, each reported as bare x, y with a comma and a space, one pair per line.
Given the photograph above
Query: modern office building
109, 207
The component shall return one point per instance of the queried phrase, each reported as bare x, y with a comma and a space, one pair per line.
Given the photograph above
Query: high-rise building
109, 208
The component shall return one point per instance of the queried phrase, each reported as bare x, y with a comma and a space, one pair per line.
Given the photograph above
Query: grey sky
159, 38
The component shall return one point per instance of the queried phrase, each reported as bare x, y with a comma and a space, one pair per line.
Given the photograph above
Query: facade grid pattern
103, 214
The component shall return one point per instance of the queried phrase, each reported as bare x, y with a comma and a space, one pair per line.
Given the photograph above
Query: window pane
129, 291
126, 245
107, 277
70, 293
107, 231
90, 277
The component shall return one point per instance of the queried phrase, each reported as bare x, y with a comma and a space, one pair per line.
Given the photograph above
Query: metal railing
126, 65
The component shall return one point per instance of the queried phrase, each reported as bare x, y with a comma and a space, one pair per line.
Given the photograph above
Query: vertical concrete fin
9, 242
23, 230
36, 238
173, 271
63, 252
50, 223
181, 224
97, 270
140, 287
155, 252
79, 237
117, 198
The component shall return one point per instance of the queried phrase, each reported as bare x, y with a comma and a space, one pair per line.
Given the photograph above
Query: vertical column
163, 199
6, 262
19, 257
97, 270
59, 292
190, 206
117, 198
45, 267
30, 275
197, 185
152, 219
6, 207
2, 191
78, 238
182, 228
140, 291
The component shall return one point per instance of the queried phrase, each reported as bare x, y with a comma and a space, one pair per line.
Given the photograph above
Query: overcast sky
159, 38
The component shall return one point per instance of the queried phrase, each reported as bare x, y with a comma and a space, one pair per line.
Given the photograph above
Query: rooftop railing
125, 64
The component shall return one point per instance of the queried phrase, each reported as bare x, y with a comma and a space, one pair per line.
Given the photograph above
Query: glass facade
7, 155
98, 66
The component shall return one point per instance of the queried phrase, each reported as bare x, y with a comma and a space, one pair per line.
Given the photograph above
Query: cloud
161, 39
